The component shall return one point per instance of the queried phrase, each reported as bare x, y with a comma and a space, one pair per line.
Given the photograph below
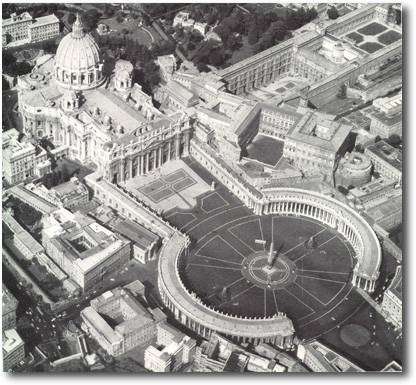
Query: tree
119, 18
71, 18
332, 13
398, 17
343, 190
253, 35
394, 140
5, 84
233, 42
49, 47
90, 19
108, 10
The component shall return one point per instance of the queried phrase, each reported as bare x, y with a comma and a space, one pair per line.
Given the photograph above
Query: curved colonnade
291, 201
188, 309
203, 319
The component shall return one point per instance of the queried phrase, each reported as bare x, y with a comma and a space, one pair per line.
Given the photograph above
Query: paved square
167, 185
174, 185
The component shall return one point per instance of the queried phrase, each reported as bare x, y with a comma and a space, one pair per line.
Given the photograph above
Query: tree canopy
333, 13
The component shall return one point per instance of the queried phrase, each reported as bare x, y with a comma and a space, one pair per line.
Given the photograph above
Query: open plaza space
227, 269
311, 285
225, 233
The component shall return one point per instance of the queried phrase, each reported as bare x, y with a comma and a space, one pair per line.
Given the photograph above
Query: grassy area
358, 38
146, 36
389, 37
370, 47
372, 29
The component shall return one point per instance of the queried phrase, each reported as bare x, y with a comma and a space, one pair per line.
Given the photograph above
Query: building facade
392, 300
119, 322
24, 29
174, 350
9, 308
386, 159
116, 127
13, 349
83, 249
21, 159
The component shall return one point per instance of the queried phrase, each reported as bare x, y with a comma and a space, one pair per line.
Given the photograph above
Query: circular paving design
229, 268
268, 271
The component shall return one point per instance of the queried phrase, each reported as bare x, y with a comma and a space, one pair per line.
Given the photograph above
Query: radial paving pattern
305, 274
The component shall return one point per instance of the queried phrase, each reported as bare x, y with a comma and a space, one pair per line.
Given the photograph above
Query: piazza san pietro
202, 187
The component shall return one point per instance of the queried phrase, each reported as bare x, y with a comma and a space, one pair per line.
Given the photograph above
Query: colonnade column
141, 164
130, 168
186, 146
146, 167
121, 172
177, 146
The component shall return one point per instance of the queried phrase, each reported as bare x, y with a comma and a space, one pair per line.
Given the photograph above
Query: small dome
77, 59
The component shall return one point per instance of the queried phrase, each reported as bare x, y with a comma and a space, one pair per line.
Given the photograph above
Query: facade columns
186, 146
177, 146
141, 164
146, 168
130, 168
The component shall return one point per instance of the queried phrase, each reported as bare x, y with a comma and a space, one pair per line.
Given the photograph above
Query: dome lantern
78, 28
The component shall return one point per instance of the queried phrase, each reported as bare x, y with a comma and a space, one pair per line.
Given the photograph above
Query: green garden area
373, 37
243, 31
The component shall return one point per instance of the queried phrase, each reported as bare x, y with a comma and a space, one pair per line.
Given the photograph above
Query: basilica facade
95, 116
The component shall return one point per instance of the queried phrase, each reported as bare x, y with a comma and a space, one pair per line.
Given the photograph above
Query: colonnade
150, 159
284, 342
333, 216
188, 309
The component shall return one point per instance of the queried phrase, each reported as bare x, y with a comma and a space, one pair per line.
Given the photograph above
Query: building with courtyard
119, 321
82, 248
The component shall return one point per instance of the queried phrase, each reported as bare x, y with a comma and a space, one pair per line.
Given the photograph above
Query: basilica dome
78, 62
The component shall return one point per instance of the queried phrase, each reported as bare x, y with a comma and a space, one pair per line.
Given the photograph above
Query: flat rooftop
135, 232
388, 153
119, 111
